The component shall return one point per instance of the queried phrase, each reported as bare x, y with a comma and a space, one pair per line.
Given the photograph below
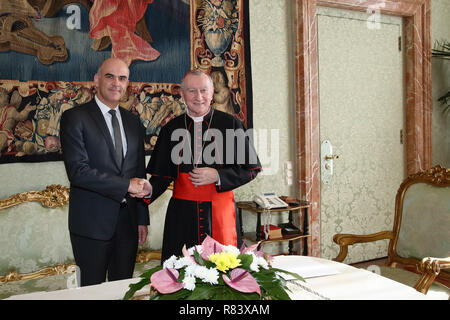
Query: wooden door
361, 103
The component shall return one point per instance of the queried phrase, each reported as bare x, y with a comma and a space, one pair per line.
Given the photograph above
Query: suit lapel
97, 115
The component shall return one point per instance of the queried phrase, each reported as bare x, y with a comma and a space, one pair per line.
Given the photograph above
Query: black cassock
192, 213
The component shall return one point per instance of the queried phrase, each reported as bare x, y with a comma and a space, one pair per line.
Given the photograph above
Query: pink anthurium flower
242, 281
257, 252
210, 246
186, 254
166, 281
250, 249
255, 249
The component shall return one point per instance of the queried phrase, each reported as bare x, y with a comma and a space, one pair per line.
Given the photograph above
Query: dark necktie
117, 137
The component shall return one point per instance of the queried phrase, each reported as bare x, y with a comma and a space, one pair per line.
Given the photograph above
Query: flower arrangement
216, 272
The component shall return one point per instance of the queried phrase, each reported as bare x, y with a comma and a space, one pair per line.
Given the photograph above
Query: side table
303, 234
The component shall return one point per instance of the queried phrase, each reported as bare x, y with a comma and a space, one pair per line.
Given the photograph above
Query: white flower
254, 265
200, 271
190, 270
211, 276
231, 249
182, 262
203, 273
189, 283
258, 262
262, 262
198, 248
170, 263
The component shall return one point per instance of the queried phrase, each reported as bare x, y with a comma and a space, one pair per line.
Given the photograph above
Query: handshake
139, 188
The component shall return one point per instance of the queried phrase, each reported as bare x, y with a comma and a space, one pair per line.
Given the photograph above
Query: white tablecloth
325, 279
338, 281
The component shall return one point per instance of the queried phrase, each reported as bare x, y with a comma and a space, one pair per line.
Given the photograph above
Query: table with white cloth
324, 280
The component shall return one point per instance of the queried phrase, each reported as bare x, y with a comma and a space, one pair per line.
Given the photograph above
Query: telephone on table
269, 201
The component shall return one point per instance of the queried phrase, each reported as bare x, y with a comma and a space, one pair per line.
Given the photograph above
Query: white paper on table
306, 268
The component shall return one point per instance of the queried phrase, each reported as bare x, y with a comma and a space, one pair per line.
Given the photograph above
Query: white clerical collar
103, 107
196, 119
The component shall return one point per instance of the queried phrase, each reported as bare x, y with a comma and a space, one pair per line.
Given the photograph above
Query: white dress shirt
108, 119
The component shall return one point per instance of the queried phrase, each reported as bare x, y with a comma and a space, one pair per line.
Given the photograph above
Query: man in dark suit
103, 153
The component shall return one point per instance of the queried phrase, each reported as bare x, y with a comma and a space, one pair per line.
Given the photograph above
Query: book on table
274, 232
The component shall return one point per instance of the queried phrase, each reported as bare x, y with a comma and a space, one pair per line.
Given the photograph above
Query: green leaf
276, 292
149, 273
209, 264
228, 293
181, 273
205, 291
135, 287
271, 286
266, 277
198, 258
202, 292
289, 273
246, 260
179, 295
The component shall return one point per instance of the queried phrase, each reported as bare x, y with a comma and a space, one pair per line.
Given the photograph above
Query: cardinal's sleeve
242, 170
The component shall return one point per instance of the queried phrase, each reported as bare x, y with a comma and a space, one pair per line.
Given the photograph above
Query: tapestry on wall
50, 51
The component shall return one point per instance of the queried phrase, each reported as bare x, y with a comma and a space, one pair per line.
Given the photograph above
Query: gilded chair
420, 237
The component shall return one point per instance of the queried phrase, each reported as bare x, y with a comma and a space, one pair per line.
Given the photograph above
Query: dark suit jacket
97, 183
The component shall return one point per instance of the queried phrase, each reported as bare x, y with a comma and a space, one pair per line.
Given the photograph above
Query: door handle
331, 157
326, 161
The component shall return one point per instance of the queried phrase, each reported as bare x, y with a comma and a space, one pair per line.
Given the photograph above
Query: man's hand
139, 187
203, 176
143, 233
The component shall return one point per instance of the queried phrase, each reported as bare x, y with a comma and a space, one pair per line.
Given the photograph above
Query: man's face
197, 94
111, 82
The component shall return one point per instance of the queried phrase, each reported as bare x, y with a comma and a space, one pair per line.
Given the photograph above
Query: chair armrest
430, 267
345, 239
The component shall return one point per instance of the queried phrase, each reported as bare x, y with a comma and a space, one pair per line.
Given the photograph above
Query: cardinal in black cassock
206, 153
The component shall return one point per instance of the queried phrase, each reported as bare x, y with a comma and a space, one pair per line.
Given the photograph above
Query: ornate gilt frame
53, 196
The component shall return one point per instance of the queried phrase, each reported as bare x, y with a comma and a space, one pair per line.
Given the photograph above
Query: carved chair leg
429, 268
425, 282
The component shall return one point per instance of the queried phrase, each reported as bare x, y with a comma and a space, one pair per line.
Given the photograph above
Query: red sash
223, 209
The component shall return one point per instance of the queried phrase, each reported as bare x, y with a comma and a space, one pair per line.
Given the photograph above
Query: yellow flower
225, 260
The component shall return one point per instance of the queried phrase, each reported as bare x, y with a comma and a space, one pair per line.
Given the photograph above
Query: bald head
113, 62
111, 81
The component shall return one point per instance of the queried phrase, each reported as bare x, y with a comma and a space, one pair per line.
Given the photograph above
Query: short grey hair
197, 72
